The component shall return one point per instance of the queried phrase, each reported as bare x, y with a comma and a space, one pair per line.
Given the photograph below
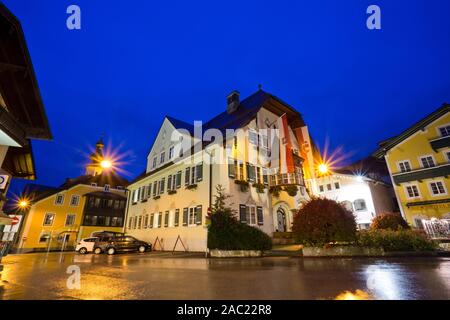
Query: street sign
15, 220
3, 181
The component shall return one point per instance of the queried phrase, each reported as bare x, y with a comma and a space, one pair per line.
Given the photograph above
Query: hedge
227, 233
400, 240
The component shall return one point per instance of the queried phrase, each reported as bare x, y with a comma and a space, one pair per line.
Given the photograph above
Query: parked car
86, 245
126, 244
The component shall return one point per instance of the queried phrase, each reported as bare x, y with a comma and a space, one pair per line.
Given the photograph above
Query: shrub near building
392, 221
322, 221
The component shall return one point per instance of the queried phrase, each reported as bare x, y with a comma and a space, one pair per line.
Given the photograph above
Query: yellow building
419, 165
59, 217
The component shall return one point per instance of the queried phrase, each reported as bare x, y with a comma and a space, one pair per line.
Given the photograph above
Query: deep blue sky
135, 61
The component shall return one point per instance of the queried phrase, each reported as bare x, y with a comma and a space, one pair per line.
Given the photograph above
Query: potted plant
191, 186
243, 184
291, 190
259, 187
275, 190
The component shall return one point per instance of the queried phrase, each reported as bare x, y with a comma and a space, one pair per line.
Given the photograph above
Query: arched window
348, 205
360, 205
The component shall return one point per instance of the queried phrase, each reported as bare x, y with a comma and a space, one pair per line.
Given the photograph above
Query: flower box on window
259, 187
156, 197
243, 185
170, 192
191, 187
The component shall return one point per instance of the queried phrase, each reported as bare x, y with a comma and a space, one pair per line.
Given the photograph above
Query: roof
386, 145
370, 167
112, 179
18, 83
106, 195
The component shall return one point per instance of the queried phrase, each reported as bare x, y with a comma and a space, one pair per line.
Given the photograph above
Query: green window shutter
260, 216
231, 168
199, 172
187, 176
177, 217
243, 213
185, 216
198, 215
179, 179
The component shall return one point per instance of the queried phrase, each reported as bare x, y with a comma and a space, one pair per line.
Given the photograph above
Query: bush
392, 221
322, 221
401, 240
227, 233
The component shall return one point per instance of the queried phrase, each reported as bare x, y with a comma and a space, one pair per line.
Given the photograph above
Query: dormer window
162, 158
107, 186
171, 152
445, 131
155, 162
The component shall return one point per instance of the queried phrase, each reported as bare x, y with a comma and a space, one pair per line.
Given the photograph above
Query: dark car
125, 244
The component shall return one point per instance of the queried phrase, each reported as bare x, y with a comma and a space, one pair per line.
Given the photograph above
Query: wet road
187, 276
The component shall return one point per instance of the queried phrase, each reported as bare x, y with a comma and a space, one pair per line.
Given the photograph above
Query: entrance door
281, 218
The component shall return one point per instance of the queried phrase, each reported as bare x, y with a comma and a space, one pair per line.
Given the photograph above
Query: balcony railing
422, 174
440, 143
286, 179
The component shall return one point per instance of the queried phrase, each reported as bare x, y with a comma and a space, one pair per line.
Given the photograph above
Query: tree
389, 220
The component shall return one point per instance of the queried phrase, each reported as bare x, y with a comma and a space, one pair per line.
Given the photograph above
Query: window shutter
231, 168
198, 215
199, 171
243, 213
185, 216
260, 216
177, 217
187, 176
178, 179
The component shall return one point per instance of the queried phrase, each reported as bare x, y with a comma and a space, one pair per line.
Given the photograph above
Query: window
250, 172
149, 190
162, 185
70, 220
199, 172
265, 176
404, 166
251, 215
348, 205
162, 158
445, 131
321, 189
447, 155
155, 188
48, 219
107, 187
337, 185
44, 237
171, 152
427, 161
437, 188
135, 195
93, 184
187, 175
159, 215
169, 183
59, 200
155, 162
166, 219
241, 171
418, 223
152, 220
193, 174
253, 137
412, 191
329, 187
177, 217
74, 201
360, 205
130, 222
192, 216
145, 221
178, 179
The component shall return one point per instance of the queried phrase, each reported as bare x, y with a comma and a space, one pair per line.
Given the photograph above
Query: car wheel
97, 250
111, 251
141, 249
82, 251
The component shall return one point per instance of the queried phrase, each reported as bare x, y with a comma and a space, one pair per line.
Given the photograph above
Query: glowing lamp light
359, 178
23, 203
323, 168
106, 164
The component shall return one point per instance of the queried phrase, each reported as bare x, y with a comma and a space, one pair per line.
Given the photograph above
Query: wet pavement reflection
189, 276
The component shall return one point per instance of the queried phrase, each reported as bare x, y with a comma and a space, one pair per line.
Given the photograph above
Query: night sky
135, 61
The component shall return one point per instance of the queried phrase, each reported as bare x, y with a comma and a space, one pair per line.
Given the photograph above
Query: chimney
233, 101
